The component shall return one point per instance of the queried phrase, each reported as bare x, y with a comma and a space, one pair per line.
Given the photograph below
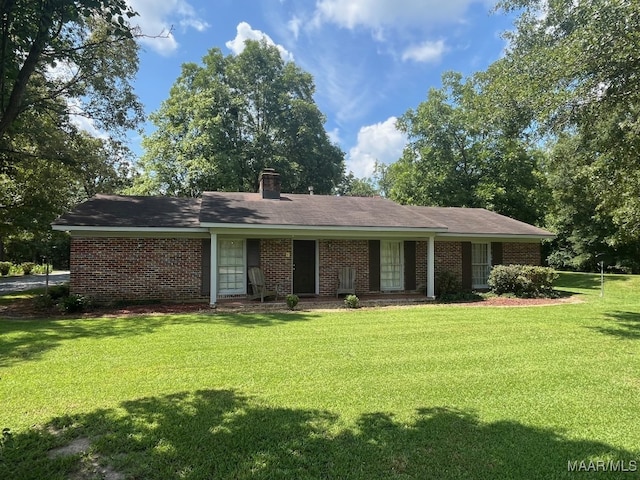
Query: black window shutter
496, 253
374, 265
467, 270
253, 252
409, 265
206, 267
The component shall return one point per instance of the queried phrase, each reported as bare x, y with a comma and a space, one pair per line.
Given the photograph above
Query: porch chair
259, 285
347, 279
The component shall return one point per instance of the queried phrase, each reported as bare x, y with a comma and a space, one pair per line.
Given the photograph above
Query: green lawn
424, 392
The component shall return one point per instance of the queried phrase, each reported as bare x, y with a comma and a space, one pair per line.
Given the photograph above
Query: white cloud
425, 52
157, 19
334, 136
245, 32
381, 142
294, 26
376, 14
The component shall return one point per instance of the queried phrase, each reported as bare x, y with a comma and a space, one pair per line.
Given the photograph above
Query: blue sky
371, 59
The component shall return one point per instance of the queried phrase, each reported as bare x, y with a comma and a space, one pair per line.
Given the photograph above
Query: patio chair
259, 285
347, 279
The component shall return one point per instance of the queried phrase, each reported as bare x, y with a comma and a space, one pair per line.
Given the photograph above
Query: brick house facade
126, 247
118, 268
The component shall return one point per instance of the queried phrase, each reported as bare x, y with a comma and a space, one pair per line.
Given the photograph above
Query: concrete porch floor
305, 303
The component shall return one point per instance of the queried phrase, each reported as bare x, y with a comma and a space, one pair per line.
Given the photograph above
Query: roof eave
510, 236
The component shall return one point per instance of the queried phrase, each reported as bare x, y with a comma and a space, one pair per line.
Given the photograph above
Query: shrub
5, 267
42, 269
461, 297
59, 291
43, 302
522, 280
351, 301
447, 283
292, 301
27, 267
73, 303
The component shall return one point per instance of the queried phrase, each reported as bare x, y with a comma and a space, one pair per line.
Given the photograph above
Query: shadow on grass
625, 325
262, 319
28, 339
220, 434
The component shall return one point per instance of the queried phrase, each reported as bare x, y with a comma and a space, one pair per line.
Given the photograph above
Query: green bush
43, 302
27, 267
292, 301
351, 301
59, 291
42, 269
73, 303
522, 280
5, 267
460, 297
447, 284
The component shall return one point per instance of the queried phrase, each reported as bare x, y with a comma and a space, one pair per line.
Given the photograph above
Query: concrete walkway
29, 282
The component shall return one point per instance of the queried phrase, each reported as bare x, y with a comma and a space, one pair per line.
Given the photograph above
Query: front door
304, 267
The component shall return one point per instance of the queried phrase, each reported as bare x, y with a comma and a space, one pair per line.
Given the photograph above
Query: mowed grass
422, 392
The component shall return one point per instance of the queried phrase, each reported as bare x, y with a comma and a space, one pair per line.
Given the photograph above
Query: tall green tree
227, 119
460, 153
67, 49
575, 65
40, 187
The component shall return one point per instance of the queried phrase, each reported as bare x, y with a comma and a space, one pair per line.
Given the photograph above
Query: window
231, 266
480, 265
391, 274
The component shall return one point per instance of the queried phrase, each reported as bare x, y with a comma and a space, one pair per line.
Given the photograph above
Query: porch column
431, 268
214, 269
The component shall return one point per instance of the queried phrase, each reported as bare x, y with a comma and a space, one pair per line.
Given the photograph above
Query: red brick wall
275, 263
335, 254
136, 268
448, 257
521, 253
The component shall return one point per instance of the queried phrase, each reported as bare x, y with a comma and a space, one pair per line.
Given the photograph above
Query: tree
227, 119
575, 65
352, 186
461, 153
60, 49
41, 188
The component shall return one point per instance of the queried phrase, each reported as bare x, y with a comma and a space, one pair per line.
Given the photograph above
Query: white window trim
401, 287
488, 244
236, 291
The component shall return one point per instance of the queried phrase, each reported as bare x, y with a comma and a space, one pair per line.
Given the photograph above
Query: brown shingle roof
220, 208
308, 210
477, 221
131, 211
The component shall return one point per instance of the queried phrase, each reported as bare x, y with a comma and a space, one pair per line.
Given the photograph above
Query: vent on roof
270, 183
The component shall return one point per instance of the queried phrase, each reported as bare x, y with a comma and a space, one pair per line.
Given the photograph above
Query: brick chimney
270, 182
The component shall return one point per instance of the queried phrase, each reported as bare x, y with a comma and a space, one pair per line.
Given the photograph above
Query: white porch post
431, 268
214, 269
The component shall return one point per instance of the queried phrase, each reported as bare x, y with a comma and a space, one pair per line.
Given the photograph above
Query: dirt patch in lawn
89, 467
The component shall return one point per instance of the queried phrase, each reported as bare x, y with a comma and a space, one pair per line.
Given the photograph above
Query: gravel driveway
28, 282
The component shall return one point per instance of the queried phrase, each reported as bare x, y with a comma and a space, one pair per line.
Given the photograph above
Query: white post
431, 268
214, 269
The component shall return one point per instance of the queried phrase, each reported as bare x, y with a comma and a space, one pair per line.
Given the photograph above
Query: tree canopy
229, 118
60, 49
461, 154
574, 65
62, 62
